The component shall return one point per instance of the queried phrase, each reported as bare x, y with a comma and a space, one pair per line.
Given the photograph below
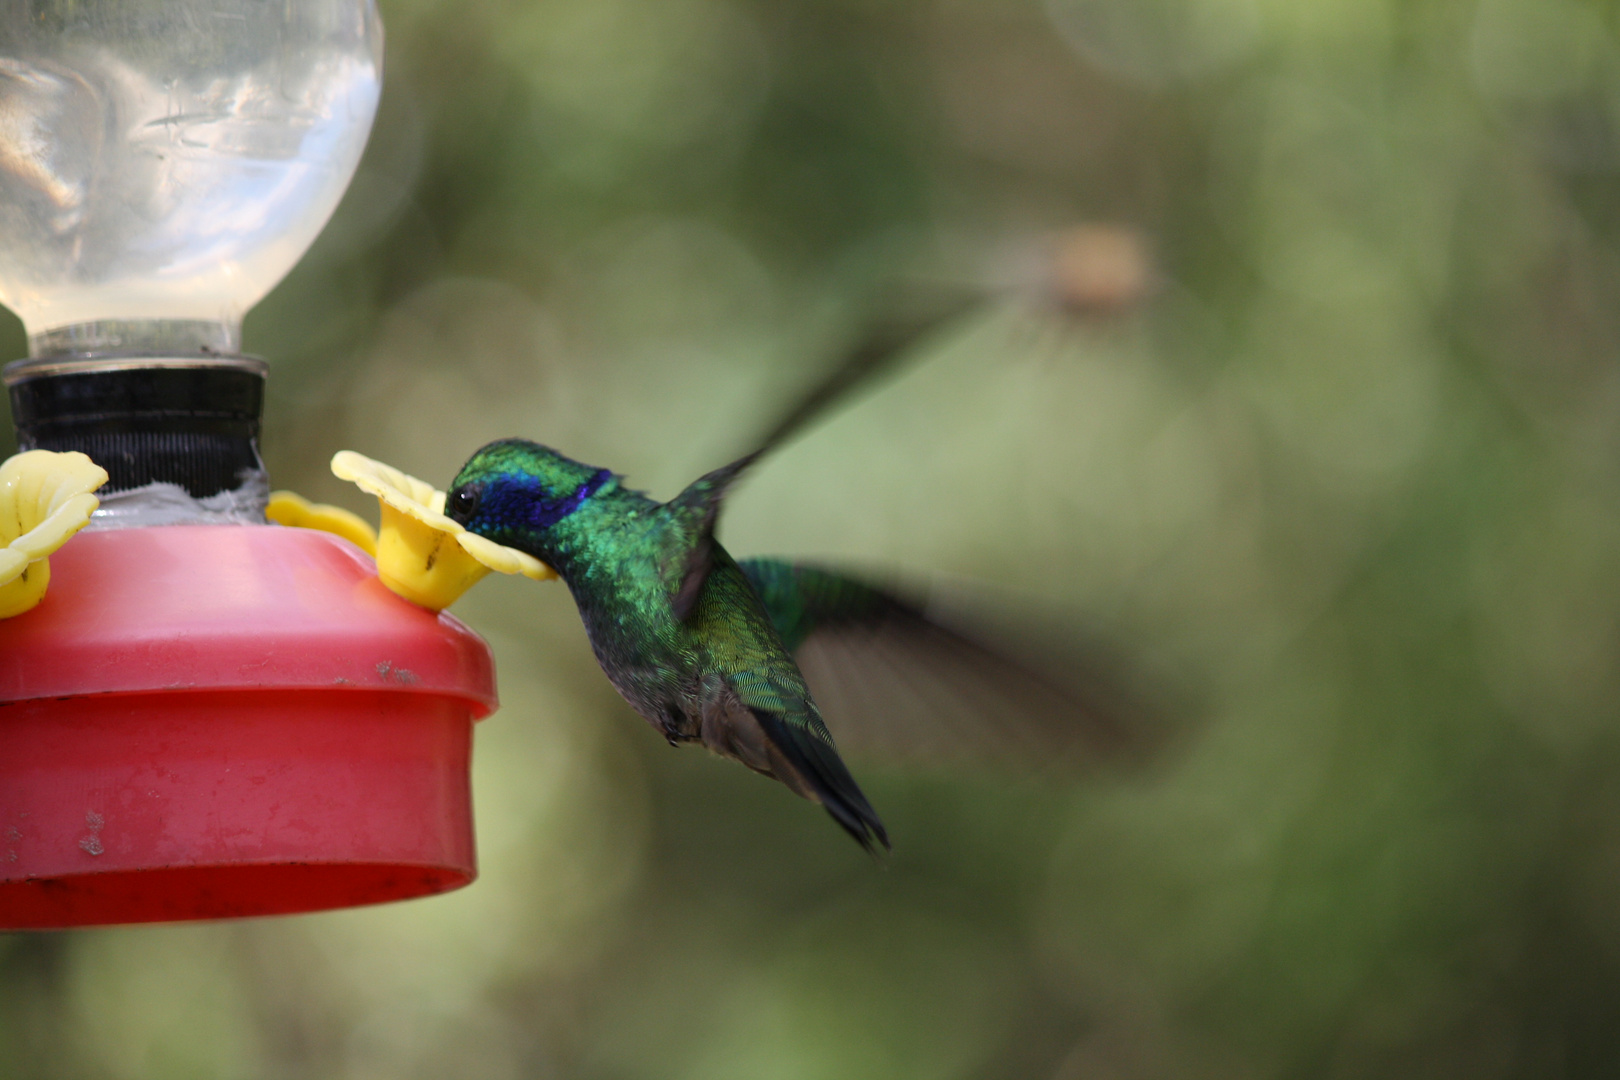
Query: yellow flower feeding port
45, 498
421, 554
295, 511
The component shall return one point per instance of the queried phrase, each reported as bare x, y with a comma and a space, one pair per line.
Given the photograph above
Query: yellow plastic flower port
421, 554
295, 511
44, 499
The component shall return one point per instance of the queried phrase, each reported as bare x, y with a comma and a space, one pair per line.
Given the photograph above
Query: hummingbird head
515, 492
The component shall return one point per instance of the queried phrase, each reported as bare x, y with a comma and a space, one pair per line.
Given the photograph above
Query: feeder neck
137, 337
181, 426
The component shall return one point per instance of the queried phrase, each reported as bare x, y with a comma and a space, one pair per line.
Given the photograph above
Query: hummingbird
702, 645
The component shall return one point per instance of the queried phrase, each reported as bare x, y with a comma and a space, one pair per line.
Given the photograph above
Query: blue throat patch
547, 512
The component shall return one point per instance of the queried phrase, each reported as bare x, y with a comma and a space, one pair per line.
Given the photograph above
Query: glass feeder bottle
206, 716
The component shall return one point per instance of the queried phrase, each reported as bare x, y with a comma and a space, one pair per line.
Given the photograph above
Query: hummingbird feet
670, 727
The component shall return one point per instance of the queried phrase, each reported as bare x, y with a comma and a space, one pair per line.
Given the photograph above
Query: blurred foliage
1351, 470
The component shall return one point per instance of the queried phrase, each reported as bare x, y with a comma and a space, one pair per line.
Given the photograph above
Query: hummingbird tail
822, 774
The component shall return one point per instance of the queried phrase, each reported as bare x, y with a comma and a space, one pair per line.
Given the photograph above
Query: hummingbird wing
885, 341
692, 515
896, 681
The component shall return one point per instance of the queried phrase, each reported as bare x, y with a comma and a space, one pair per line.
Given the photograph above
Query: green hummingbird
673, 619
702, 645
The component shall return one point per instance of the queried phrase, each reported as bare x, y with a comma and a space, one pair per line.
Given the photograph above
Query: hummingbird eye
463, 503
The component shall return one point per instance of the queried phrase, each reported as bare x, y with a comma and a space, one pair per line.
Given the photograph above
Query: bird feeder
205, 715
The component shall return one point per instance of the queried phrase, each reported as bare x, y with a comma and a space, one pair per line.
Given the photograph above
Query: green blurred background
1345, 466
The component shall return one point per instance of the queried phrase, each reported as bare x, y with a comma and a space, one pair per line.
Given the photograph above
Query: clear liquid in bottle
171, 160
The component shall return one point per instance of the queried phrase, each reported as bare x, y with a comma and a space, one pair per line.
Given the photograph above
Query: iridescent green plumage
671, 617
704, 648
804, 599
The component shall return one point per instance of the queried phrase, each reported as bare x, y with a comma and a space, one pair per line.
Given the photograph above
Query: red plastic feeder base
211, 722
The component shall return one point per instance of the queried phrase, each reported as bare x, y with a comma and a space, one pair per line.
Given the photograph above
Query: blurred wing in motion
885, 344
880, 349
894, 681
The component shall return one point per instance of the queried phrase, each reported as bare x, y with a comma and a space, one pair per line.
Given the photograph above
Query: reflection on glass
171, 159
